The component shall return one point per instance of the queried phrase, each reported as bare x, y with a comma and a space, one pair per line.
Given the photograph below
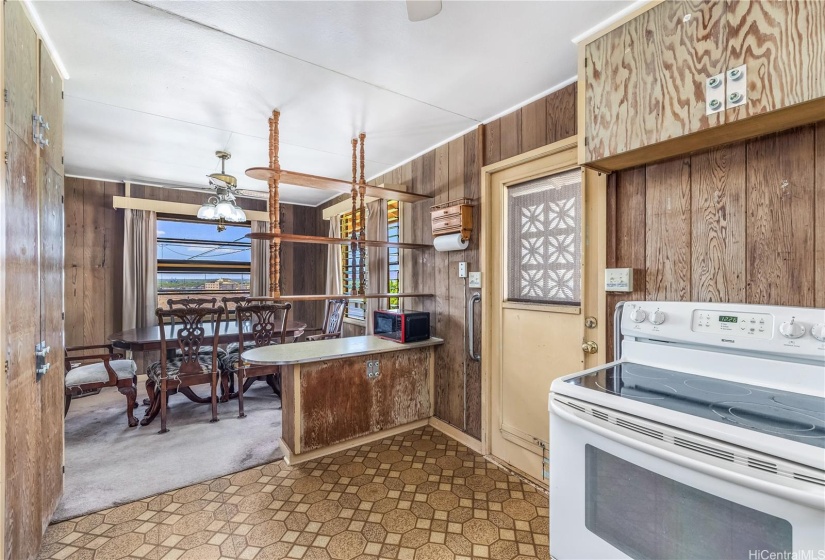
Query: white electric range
706, 439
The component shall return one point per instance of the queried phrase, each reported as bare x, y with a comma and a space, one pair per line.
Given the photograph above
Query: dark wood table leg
192, 396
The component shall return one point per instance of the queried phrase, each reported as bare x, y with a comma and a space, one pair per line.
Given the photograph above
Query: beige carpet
108, 463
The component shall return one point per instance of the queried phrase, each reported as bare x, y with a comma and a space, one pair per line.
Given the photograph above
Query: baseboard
292, 459
448, 430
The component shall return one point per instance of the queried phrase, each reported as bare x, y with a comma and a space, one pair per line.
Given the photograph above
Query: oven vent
600, 415
574, 405
762, 465
639, 429
705, 449
808, 478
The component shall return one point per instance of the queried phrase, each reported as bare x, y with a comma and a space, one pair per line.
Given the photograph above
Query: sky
206, 231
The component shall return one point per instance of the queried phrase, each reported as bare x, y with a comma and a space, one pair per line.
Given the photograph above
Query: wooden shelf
386, 192
321, 297
293, 238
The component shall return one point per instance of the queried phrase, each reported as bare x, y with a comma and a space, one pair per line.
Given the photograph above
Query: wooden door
543, 264
20, 54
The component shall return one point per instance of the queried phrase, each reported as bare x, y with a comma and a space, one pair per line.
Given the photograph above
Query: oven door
613, 495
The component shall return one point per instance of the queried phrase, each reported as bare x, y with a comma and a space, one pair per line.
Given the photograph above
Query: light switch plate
618, 280
475, 280
715, 94
462, 269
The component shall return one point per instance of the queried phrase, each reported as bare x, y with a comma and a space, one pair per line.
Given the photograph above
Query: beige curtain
377, 258
334, 281
259, 273
140, 269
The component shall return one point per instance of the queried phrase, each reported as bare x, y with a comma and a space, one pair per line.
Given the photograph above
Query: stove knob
637, 315
657, 317
818, 332
792, 329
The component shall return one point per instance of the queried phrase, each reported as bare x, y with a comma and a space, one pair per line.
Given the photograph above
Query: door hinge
6, 368
63, 315
61, 199
6, 158
64, 469
585, 63
5, 95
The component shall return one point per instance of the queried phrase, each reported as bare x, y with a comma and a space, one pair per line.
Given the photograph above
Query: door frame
594, 185
3, 327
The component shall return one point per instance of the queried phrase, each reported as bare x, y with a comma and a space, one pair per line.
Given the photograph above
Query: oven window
647, 515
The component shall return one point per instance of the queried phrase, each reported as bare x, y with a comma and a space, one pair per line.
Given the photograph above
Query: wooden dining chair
267, 322
87, 372
191, 367
196, 303
333, 321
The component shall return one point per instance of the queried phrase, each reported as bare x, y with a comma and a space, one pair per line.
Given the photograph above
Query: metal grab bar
475, 298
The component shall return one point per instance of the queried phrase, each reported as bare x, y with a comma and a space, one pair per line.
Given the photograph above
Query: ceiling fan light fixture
223, 206
419, 10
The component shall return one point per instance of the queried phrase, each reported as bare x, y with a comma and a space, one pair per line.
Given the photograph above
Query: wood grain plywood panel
51, 385
780, 220
561, 114
819, 219
20, 68
51, 107
473, 145
94, 259
510, 134
453, 349
783, 46
442, 288
668, 225
113, 267
290, 422
24, 489
626, 235
718, 229
492, 142
534, 125
398, 396
73, 261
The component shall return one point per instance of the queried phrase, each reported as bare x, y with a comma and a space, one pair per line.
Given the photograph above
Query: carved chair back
334, 319
266, 321
190, 335
192, 303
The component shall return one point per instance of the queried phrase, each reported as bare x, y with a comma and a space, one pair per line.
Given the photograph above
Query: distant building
221, 284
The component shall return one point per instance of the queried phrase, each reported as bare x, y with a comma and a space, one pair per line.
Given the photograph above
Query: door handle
590, 347
475, 298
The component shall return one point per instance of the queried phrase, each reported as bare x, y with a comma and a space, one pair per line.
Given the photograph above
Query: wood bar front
331, 403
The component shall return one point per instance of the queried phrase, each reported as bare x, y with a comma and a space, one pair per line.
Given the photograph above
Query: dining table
147, 339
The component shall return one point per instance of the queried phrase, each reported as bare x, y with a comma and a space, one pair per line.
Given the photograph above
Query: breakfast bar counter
344, 392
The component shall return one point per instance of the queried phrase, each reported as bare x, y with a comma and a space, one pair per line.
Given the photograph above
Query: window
544, 240
194, 259
350, 263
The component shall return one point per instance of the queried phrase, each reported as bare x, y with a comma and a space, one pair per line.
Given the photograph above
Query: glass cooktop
791, 416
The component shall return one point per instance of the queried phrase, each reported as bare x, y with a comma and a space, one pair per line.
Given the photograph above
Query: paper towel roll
451, 242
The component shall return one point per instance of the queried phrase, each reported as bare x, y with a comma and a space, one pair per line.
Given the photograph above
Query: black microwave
402, 326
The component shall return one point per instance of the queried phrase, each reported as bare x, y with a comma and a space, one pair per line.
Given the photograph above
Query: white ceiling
156, 87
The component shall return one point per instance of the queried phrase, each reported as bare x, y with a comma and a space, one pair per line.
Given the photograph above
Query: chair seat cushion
96, 372
232, 347
173, 367
229, 363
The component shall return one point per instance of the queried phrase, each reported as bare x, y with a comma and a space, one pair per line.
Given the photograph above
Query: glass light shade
223, 209
207, 212
239, 215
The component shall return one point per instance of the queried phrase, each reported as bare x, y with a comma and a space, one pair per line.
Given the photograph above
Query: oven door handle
814, 500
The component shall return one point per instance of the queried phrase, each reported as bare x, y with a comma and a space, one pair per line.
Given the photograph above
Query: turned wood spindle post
274, 207
362, 188
353, 251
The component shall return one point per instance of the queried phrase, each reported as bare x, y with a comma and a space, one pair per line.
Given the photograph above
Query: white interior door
543, 241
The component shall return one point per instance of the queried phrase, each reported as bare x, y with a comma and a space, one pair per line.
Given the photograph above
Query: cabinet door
645, 81
24, 521
51, 332
21, 71
51, 107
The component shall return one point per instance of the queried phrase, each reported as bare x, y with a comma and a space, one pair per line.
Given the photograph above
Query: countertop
306, 352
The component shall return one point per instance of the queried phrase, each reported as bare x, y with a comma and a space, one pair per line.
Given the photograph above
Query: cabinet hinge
63, 315
585, 63
62, 95
5, 95
61, 199
6, 158
61, 160
6, 368
64, 469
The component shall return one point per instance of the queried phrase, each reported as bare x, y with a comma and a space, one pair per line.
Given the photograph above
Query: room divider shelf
322, 297
294, 238
385, 192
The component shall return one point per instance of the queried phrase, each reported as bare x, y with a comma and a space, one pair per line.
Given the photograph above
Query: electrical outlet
475, 280
618, 280
462, 269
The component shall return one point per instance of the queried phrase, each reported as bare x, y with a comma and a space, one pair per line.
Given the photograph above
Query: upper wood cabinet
20, 59
642, 85
50, 106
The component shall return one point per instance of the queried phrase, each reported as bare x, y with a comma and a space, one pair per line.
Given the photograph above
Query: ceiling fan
419, 10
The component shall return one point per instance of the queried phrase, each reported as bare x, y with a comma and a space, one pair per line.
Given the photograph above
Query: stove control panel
756, 325
797, 332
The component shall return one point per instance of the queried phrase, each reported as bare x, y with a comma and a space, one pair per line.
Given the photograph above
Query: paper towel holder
455, 216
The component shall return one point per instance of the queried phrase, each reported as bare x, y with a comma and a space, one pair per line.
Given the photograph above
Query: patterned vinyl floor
417, 496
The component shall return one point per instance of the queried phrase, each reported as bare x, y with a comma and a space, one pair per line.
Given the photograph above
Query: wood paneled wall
94, 255
450, 171
742, 223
